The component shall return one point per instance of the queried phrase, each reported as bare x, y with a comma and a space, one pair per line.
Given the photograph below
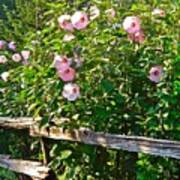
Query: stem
43, 151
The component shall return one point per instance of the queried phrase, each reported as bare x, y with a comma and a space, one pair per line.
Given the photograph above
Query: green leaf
107, 85
65, 154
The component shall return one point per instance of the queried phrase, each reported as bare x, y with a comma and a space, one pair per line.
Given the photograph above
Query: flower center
64, 60
65, 23
74, 90
82, 19
162, 13
156, 73
67, 71
133, 24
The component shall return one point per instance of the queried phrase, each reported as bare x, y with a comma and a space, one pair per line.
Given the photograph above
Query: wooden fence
158, 147
34, 169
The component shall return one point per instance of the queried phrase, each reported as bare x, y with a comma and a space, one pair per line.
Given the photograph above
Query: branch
30, 168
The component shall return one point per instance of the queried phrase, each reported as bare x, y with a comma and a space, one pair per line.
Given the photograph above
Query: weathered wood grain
17, 123
31, 168
159, 147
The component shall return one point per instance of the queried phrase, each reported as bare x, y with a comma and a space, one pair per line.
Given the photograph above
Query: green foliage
116, 94
5, 174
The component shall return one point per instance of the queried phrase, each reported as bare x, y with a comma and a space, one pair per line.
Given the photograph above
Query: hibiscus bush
109, 66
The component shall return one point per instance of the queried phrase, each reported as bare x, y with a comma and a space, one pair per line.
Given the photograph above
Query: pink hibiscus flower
25, 54
12, 45
80, 20
3, 59
132, 24
2, 44
65, 22
137, 37
67, 75
5, 76
155, 74
158, 12
16, 57
61, 63
71, 91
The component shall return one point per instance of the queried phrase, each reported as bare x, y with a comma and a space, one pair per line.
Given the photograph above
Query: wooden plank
159, 147
31, 168
17, 123
25, 122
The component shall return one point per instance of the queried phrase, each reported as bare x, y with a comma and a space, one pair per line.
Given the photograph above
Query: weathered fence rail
17, 123
34, 169
159, 147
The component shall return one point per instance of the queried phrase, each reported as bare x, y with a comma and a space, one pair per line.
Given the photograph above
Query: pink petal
67, 75
137, 37
131, 24
79, 20
71, 91
16, 57
25, 54
155, 74
12, 46
65, 22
